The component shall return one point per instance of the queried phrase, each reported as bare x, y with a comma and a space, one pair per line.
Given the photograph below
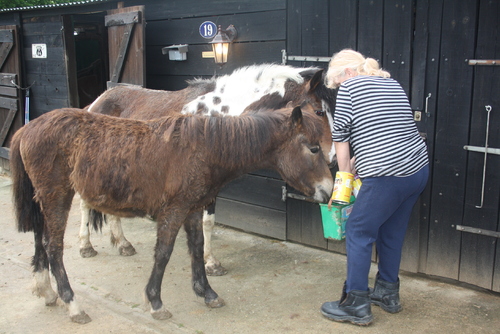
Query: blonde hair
355, 61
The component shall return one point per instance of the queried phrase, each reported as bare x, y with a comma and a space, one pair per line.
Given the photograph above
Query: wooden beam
5, 49
8, 79
6, 126
6, 36
121, 19
8, 91
4, 152
8, 103
122, 53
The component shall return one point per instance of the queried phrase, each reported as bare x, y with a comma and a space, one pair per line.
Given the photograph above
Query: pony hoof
216, 303
81, 318
51, 302
161, 314
87, 252
127, 251
215, 270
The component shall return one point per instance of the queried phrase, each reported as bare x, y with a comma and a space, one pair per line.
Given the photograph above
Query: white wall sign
39, 50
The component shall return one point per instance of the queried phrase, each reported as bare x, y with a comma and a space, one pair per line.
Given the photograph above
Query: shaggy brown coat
169, 168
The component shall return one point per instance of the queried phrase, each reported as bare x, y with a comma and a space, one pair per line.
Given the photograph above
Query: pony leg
40, 262
213, 266
166, 233
86, 249
56, 211
55, 255
118, 238
195, 244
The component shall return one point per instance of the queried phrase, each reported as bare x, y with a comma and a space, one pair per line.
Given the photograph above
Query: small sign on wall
208, 29
39, 50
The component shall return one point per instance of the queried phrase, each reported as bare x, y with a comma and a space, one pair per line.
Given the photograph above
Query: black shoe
355, 308
386, 295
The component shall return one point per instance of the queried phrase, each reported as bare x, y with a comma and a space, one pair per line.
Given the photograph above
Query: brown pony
168, 169
267, 86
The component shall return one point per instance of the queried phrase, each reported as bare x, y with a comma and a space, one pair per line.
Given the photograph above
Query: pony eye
319, 112
314, 149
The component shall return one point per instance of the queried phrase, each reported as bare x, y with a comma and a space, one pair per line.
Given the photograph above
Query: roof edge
58, 5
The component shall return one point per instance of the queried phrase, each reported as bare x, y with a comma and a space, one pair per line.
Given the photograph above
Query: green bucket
334, 220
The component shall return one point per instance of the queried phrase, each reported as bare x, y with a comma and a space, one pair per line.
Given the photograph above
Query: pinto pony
265, 86
169, 168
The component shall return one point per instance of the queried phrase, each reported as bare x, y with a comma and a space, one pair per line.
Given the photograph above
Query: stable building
444, 53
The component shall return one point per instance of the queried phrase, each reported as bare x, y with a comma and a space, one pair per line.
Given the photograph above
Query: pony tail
28, 213
97, 218
371, 67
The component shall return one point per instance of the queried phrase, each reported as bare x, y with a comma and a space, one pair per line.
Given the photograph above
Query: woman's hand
330, 203
353, 166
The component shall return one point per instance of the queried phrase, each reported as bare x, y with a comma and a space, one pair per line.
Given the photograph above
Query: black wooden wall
50, 85
378, 29
48, 77
261, 26
426, 45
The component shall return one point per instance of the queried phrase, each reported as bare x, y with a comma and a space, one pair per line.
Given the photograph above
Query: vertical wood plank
398, 35
343, 18
134, 68
48, 76
70, 61
415, 246
304, 223
419, 54
370, 29
429, 14
293, 220
12, 121
312, 226
343, 33
314, 32
294, 27
478, 252
452, 133
496, 271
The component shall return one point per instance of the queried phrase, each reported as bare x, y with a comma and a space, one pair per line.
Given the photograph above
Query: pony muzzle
324, 190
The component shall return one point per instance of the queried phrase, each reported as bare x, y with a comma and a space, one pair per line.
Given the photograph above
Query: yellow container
343, 188
356, 185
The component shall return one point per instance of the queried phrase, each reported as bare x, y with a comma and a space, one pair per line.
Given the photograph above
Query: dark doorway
91, 53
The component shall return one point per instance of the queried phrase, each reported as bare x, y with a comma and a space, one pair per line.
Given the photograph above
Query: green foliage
27, 3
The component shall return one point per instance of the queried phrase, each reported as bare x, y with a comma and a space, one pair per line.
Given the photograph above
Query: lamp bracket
231, 32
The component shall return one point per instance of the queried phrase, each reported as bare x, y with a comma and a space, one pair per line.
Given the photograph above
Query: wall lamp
220, 43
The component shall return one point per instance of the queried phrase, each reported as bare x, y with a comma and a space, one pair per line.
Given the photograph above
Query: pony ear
297, 116
316, 80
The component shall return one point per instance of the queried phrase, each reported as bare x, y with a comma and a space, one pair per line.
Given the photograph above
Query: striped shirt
373, 114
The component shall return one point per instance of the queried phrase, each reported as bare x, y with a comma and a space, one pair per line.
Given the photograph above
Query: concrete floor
272, 287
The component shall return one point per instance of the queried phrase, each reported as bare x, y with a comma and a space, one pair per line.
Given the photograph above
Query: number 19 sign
208, 29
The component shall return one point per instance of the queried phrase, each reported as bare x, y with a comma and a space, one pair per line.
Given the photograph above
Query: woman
374, 118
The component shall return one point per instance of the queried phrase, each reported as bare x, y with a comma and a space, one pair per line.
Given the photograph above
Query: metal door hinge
487, 62
478, 231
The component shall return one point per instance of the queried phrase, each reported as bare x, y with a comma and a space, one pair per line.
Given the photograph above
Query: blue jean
380, 214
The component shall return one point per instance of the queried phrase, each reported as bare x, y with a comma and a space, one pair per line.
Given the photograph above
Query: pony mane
196, 82
255, 130
233, 92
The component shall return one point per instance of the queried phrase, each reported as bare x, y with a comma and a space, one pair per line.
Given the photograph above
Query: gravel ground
271, 287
